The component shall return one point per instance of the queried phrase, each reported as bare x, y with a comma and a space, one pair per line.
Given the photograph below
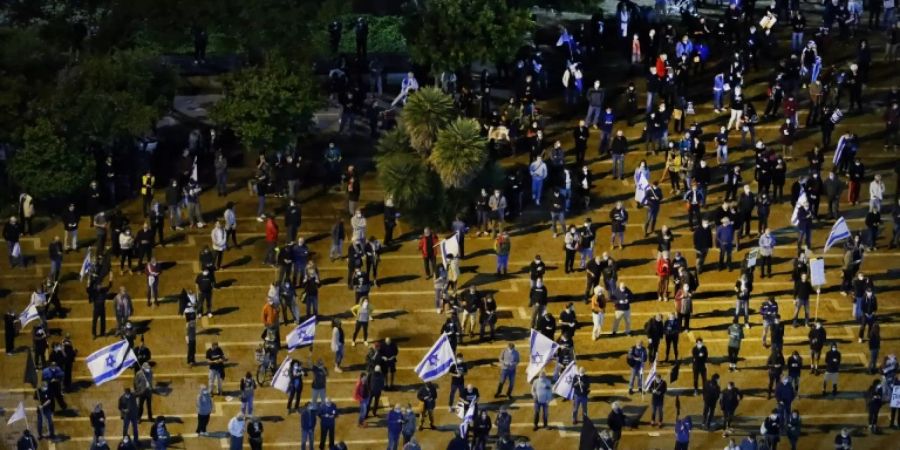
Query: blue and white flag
469, 416
449, 246
839, 232
194, 176
282, 378
109, 362
86, 265
303, 335
29, 315
542, 351
437, 361
565, 385
795, 220
641, 184
650, 376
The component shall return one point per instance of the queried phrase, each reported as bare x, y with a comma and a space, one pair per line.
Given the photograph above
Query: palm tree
459, 153
425, 113
401, 171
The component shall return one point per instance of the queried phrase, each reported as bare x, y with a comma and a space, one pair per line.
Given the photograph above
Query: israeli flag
449, 246
437, 361
109, 362
29, 315
839, 150
194, 176
469, 416
650, 376
641, 183
565, 385
303, 335
543, 349
282, 378
86, 265
839, 232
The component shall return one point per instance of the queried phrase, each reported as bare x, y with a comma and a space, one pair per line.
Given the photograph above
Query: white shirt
236, 427
876, 190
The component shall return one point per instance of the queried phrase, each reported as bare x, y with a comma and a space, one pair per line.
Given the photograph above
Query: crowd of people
675, 62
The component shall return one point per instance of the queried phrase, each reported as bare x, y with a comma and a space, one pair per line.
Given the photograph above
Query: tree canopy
449, 35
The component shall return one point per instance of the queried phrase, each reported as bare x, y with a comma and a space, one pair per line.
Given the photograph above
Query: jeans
593, 115
538, 408
73, 235
597, 319
174, 216
247, 404
537, 186
236, 442
636, 375
307, 436
260, 205
222, 183
507, 374
742, 306
134, 426
717, 99
502, 263
318, 395
215, 380
393, 440
618, 165
580, 400
48, 416
363, 409
339, 355
557, 217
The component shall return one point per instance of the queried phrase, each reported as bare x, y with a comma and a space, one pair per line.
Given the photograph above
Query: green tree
425, 113
459, 153
270, 106
109, 98
449, 35
46, 168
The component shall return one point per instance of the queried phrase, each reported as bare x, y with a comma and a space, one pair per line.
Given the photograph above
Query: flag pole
27, 427
816, 315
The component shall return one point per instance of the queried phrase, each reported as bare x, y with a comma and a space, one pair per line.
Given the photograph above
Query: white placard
817, 271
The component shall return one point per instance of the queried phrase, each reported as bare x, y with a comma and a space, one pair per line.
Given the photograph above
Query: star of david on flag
303, 335
542, 350
437, 361
565, 385
109, 362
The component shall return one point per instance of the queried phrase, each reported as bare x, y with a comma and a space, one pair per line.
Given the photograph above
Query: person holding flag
637, 356
657, 388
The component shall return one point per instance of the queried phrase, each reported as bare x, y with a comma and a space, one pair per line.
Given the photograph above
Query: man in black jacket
699, 357
128, 408
654, 330
702, 243
711, 393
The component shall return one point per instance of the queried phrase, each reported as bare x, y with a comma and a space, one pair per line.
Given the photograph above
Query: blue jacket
607, 121
725, 236
719, 83
394, 422
683, 430
327, 413
308, 419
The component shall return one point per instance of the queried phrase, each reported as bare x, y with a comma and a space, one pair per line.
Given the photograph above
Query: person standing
307, 426
143, 390
657, 390
271, 240
236, 432
637, 356
394, 421
655, 330
616, 420
204, 410
45, 411
328, 413
215, 358
427, 242
699, 358
12, 232
725, 243
502, 247
509, 362
735, 336
538, 171
618, 218
711, 394
542, 393
159, 434
598, 310
219, 239
128, 409
832, 368
731, 398
622, 298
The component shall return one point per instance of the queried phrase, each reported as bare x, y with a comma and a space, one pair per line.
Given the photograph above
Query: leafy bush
46, 168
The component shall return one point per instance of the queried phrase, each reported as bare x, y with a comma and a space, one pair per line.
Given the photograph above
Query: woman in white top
126, 245
358, 223
219, 243
363, 314
452, 272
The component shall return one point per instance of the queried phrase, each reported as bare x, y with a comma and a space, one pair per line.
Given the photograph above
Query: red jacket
426, 245
662, 267
271, 230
